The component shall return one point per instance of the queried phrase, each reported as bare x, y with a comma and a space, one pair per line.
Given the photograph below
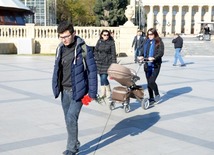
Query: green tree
80, 12
110, 13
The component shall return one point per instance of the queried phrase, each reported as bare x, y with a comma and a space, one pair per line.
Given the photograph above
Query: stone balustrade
13, 31
44, 39
45, 32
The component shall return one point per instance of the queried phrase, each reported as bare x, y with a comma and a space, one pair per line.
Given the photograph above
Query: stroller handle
140, 62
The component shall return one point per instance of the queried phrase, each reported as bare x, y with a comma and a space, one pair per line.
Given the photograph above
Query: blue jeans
136, 54
71, 110
104, 79
178, 56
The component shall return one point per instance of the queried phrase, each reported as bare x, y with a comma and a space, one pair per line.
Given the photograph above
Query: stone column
197, 18
27, 45
188, 21
178, 20
150, 18
30, 30
127, 33
160, 20
169, 21
208, 15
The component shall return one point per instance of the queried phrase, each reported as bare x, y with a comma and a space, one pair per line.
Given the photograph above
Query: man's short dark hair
64, 26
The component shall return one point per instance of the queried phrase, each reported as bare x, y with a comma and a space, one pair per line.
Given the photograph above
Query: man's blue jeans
136, 54
104, 79
178, 56
71, 110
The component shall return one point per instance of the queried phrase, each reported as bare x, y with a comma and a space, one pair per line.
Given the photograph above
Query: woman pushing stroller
152, 50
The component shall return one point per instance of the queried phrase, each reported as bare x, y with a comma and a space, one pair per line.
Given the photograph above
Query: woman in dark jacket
153, 50
105, 55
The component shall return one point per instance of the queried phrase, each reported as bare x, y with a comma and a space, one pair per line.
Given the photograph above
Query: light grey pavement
32, 123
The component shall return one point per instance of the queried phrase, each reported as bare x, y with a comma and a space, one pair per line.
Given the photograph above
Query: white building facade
177, 16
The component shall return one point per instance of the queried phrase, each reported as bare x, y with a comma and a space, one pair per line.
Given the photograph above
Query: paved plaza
32, 123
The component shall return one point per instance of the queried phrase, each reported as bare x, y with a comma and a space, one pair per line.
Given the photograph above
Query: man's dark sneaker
77, 146
174, 65
183, 65
68, 152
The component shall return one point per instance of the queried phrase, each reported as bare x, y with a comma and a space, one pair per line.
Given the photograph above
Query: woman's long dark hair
157, 38
109, 34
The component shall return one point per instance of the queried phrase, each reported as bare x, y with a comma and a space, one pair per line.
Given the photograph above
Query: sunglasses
150, 34
105, 35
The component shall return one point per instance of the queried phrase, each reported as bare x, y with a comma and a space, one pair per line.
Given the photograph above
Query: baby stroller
122, 94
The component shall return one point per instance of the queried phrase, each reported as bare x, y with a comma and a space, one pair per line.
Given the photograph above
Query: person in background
152, 50
206, 29
137, 42
206, 32
178, 44
74, 76
112, 33
105, 55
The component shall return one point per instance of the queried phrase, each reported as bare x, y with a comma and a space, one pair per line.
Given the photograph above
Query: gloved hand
86, 99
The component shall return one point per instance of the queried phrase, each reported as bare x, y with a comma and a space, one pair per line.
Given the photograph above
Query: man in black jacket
206, 32
178, 44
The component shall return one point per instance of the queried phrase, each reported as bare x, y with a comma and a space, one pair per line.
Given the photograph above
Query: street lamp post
138, 13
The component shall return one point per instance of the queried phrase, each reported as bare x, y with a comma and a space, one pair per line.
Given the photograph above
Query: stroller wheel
145, 103
112, 105
127, 108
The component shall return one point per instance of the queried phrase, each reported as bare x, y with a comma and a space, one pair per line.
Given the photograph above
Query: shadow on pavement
189, 63
131, 126
174, 93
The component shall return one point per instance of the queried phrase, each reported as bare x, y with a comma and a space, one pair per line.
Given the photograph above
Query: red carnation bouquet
86, 99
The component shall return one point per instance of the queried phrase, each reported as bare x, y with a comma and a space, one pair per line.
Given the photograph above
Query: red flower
86, 99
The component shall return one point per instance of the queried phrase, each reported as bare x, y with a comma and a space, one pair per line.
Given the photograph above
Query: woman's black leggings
151, 76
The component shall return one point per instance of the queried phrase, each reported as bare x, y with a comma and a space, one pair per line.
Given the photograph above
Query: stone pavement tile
52, 148
179, 125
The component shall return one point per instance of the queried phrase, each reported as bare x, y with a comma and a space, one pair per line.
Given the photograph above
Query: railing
45, 32
13, 31
45, 38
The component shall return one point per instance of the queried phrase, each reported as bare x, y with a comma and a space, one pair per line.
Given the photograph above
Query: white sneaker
157, 98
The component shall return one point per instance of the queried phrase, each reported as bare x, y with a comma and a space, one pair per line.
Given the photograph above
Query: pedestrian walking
178, 44
152, 50
74, 76
206, 32
137, 42
105, 55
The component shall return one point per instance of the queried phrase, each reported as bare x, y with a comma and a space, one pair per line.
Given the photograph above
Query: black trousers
151, 76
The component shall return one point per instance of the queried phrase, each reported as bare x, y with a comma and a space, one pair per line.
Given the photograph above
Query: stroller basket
120, 93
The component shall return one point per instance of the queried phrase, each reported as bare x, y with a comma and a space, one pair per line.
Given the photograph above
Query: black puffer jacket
105, 55
178, 42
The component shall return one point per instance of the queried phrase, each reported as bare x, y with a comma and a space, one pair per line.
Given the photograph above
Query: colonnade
177, 18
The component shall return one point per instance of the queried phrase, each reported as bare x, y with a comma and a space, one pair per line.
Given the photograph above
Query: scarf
151, 50
150, 68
